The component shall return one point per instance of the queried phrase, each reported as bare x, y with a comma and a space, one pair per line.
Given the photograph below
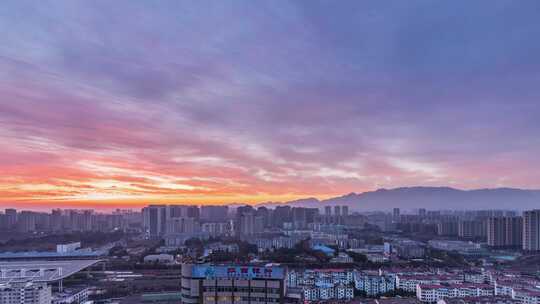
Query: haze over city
121, 104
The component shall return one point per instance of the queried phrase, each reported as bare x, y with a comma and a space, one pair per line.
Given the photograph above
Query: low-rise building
342, 258
479, 300
323, 284
271, 244
527, 296
374, 284
434, 293
410, 250
408, 282
71, 296
25, 293
328, 291
376, 257
66, 248
220, 247
159, 258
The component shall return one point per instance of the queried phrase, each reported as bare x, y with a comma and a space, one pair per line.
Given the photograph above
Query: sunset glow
121, 104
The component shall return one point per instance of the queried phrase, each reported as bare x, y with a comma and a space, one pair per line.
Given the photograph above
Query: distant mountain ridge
440, 198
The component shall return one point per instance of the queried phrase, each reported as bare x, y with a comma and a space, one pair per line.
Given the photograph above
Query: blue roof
327, 250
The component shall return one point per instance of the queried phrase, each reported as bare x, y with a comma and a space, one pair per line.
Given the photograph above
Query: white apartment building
323, 292
374, 284
433, 293
25, 293
71, 297
323, 284
525, 296
410, 282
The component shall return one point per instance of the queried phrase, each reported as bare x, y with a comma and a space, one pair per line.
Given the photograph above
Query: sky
125, 103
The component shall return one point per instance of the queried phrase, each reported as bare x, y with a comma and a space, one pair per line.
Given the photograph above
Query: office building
531, 230
204, 284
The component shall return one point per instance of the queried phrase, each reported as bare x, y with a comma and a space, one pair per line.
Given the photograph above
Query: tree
358, 257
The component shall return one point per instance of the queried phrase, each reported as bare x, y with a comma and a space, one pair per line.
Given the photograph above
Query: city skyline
117, 105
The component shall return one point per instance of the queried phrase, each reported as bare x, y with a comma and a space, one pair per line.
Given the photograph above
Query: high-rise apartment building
265, 214
214, 213
312, 214
345, 211
155, 219
185, 225
327, 211
337, 211
183, 211
327, 214
299, 216
204, 284
531, 230
396, 214
11, 218
281, 214
448, 227
3, 221
472, 229
26, 221
505, 232
56, 220
249, 224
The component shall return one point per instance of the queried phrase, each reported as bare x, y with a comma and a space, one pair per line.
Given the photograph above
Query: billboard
237, 272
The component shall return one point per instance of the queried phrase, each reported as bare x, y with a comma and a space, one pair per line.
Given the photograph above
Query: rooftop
41, 271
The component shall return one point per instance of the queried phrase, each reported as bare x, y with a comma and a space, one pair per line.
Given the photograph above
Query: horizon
107, 207
118, 105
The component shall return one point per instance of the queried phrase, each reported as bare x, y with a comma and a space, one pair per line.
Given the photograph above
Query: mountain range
434, 198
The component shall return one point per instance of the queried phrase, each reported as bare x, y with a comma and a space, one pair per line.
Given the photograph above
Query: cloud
234, 101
